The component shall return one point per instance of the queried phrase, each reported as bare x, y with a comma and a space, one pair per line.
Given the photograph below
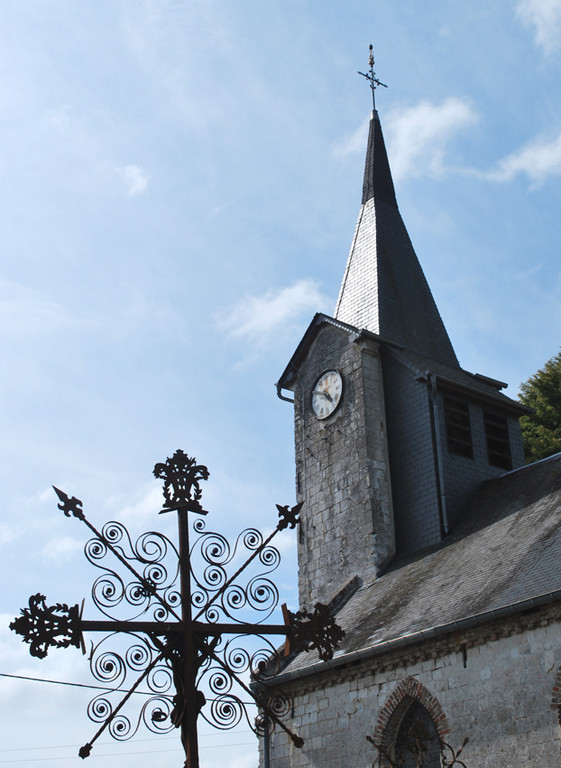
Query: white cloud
258, 318
545, 17
355, 142
8, 534
537, 160
417, 136
136, 179
149, 502
24, 310
62, 548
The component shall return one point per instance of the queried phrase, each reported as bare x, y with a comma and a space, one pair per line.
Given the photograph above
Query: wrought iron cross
371, 77
182, 633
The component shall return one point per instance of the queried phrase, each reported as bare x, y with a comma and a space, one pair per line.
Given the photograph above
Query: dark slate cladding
377, 175
408, 313
384, 289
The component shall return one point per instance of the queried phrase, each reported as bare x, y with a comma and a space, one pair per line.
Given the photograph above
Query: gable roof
456, 378
502, 559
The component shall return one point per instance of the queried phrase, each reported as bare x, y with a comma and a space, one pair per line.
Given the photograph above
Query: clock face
326, 394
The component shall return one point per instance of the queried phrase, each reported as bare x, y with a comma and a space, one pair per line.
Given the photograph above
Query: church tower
392, 436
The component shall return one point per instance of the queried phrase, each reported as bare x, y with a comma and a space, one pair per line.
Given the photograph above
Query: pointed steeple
377, 175
384, 289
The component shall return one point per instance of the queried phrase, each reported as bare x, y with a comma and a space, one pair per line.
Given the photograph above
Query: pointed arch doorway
410, 728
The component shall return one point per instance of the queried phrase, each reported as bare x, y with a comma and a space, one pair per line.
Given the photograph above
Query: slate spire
384, 289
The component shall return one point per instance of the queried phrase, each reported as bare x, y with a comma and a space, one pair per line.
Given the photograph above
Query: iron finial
371, 76
181, 475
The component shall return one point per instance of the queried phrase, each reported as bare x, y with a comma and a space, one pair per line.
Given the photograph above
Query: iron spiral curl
273, 704
279, 704
156, 714
121, 728
238, 659
215, 548
234, 599
252, 538
95, 549
265, 663
270, 557
154, 547
111, 667
156, 560
214, 577
99, 708
160, 679
261, 663
226, 712
138, 657
116, 533
108, 667
108, 591
263, 725
262, 595
219, 681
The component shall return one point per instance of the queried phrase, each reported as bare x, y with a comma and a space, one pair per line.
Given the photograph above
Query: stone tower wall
342, 470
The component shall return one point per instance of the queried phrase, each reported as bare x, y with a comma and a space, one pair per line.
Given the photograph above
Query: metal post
190, 704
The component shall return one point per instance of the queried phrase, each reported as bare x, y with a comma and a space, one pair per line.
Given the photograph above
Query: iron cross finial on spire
371, 77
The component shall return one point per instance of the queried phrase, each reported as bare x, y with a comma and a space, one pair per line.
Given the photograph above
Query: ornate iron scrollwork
42, 626
180, 622
70, 506
215, 596
289, 516
315, 631
150, 589
181, 476
117, 665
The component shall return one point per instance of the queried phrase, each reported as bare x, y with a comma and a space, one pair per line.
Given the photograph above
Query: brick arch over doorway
556, 694
406, 691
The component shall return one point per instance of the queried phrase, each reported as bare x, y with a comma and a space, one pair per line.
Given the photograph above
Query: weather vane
371, 77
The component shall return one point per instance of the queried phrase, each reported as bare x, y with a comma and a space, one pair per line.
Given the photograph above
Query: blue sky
179, 184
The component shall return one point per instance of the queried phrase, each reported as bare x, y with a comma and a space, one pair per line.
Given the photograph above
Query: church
435, 547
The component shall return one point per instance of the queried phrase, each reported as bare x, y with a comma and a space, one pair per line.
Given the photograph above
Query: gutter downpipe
437, 447
266, 749
281, 396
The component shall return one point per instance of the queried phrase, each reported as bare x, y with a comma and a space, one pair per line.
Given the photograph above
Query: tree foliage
541, 431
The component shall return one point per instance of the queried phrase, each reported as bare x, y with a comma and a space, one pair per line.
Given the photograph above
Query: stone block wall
498, 686
342, 470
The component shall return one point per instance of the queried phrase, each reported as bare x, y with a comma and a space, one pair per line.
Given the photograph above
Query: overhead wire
108, 754
89, 685
130, 754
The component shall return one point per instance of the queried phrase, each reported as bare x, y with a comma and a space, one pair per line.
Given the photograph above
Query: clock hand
325, 394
